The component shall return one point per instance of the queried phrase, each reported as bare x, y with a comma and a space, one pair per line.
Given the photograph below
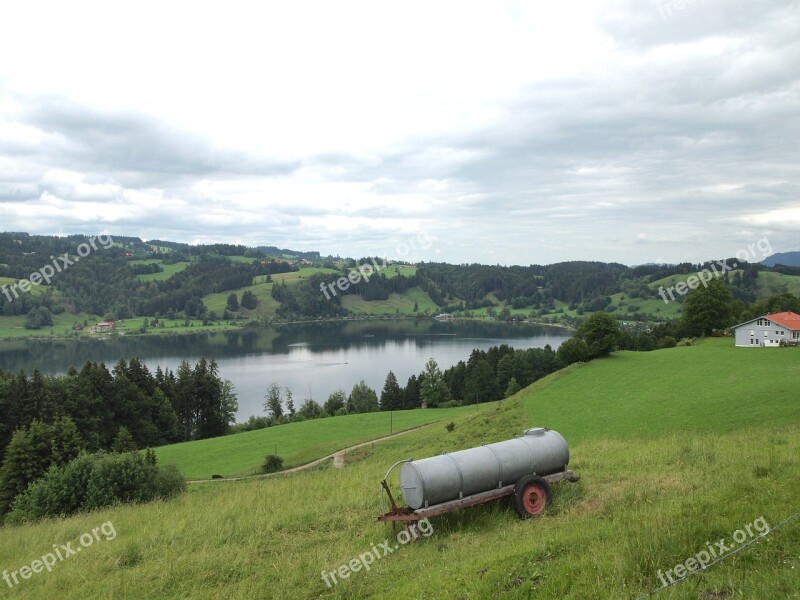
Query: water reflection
311, 359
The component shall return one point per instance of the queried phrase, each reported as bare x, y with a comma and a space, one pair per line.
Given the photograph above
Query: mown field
396, 304
710, 386
657, 485
296, 443
170, 269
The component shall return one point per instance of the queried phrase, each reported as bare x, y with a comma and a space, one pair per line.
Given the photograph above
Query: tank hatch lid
535, 431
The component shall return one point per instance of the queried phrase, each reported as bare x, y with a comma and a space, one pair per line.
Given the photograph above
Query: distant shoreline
194, 329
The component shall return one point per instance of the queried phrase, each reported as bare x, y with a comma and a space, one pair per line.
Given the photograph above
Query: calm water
312, 360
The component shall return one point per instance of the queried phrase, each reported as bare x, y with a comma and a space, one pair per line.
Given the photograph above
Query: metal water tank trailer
452, 476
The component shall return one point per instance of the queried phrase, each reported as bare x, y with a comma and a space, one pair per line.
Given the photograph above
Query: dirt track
337, 457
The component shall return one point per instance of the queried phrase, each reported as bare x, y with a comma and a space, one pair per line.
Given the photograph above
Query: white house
769, 331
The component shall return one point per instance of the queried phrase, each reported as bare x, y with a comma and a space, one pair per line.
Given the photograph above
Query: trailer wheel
531, 496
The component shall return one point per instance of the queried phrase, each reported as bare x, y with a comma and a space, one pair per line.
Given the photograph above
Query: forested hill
108, 280
568, 281
55, 283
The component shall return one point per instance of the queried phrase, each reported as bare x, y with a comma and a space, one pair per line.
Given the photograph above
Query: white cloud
512, 132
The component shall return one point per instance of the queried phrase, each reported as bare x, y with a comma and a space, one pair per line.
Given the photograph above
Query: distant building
769, 331
105, 325
444, 317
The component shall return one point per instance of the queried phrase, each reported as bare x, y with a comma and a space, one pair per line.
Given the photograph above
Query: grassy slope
297, 443
656, 486
638, 508
771, 284
397, 303
267, 306
712, 386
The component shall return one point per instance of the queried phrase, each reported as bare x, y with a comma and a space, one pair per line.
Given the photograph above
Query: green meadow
297, 443
676, 449
395, 304
170, 269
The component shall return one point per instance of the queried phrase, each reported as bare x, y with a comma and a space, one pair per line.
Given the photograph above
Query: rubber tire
523, 488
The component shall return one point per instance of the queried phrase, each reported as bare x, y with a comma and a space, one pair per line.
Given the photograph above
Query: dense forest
155, 408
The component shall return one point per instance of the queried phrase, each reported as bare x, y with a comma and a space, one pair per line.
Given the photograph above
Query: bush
272, 464
450, 426
573, 350
61, 491
169, 482
94, 481
684, 342
667, 342
121, 478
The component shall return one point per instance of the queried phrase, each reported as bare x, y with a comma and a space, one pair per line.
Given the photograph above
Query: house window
766, 334
752, 332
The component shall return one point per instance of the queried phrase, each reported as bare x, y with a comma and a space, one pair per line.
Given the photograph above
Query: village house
769, 331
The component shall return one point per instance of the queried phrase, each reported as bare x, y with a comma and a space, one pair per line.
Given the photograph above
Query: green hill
676, 449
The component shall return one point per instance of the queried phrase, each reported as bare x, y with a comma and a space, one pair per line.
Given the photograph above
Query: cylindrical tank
451, 476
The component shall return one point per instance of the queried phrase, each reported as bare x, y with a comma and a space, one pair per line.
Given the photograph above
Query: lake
312, 360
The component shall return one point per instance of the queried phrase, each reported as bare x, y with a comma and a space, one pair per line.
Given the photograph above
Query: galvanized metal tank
451, 476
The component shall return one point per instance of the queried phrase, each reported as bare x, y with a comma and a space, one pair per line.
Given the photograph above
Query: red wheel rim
534, 499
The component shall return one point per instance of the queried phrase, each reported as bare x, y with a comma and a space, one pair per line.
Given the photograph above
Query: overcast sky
503, 132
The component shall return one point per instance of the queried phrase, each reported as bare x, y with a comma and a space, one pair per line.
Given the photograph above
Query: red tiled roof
786, 319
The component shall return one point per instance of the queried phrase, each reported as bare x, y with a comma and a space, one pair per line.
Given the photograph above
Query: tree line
153, 408
487, 375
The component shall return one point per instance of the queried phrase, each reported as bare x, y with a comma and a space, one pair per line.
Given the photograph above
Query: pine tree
232, 303
66, 443
249, 300
124, 441
20, 467
391, 395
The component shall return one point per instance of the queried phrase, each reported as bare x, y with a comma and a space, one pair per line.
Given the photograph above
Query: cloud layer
619, 131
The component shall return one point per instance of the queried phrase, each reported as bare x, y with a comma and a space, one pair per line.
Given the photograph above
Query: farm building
769, 331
